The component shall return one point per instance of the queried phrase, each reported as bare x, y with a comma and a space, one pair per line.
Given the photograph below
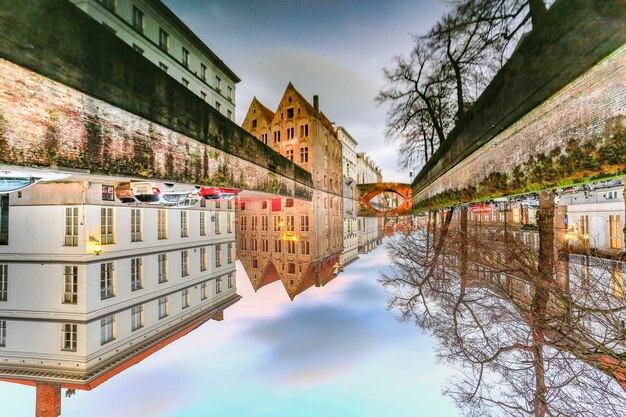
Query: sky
334, 351
335, 49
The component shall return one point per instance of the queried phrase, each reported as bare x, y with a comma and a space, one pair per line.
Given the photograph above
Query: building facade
349, 179
367, 171
88, 283
302, 133
155, 32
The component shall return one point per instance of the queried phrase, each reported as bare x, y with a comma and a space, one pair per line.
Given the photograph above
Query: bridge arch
366, 192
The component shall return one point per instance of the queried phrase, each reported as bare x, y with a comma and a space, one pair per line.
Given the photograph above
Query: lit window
204, 291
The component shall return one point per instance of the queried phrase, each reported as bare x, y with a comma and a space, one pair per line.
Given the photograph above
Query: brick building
302, 133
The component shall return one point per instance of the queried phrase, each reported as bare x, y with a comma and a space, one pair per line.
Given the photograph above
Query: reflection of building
89, 286
370, 233
298, 242
300, 132
595, 216
157, 34
350, 227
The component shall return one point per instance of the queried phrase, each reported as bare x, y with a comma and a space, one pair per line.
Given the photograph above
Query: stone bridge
553, 116
74, 95
366, 192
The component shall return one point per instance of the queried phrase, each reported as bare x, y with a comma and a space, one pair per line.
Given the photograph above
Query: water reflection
301, 243
526, 298
90, 286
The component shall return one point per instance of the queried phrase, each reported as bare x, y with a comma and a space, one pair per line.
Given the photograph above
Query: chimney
316, 102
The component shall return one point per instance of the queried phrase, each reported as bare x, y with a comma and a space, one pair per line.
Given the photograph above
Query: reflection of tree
510, 314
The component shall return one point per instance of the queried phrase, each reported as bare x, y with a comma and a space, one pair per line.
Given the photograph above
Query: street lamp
97, 247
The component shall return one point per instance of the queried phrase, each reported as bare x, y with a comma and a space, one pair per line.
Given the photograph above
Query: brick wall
590, 109
576, 35
48, 403
44, 123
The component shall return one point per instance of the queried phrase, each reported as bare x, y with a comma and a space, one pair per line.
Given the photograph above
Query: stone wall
63, 46
45, 123
576, 136
551, 92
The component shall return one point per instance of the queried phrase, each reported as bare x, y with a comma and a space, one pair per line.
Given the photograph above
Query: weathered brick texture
45, 123
48, 403
587, 109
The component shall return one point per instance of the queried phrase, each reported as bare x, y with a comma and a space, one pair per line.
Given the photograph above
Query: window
243, 220
202, 223
184, 224
107, 329
290, 133
229, 252
135, 225
243, 245
163, 307
4, 282
184, 263
618, 280
185, 82
217, 224
164, 67
184, 295
264, 138
70, 286
229, 221
277, 246
230, 93
202, 72
290, 154
107, 289
218, 84
253, 244
204, 259
218, 106
162, 224
304, 154
204, 291
164, 40
186, 59
4, 220
231, 280
108, 193
291, 246
138, 20
291, 268
136, 318
109, 4
306, 250
290, 223
229, 114
265, 245
136, 274
203, 95
70, 333
255, 220
277, 136
277, 223
218, 255
71, 226
289, 202
254, 123
290, 113
304, 131
162, 268
218, 285
264, 223
615, 231
107, 235
138, 48
611, 195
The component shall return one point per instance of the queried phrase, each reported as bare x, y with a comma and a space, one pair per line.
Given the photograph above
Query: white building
596, 215
156, 33
369, 233
349, 177
72, 312
367, 170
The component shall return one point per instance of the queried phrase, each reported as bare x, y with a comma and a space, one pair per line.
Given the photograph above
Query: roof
265, 112
309, 107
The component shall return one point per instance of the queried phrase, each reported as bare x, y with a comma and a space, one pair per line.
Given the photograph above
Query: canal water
255, 304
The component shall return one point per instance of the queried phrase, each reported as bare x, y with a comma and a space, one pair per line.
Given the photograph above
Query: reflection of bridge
367, 192
553, 115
